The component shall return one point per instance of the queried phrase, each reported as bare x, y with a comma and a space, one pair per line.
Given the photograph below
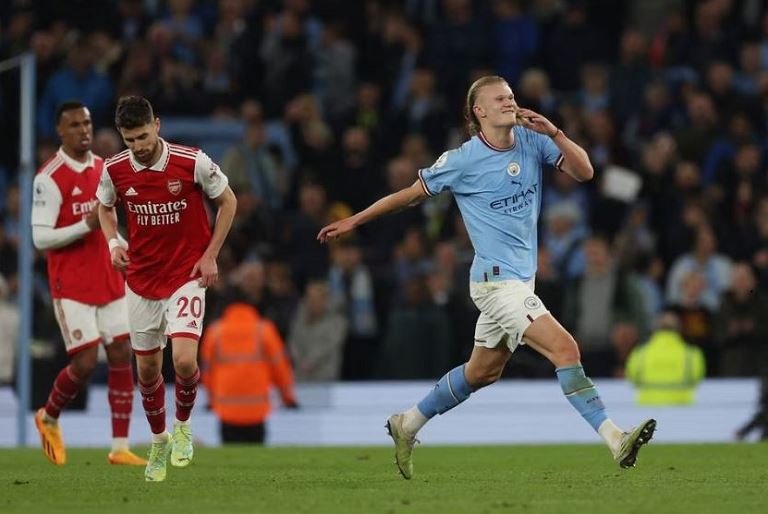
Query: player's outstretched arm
407, 197
206, 266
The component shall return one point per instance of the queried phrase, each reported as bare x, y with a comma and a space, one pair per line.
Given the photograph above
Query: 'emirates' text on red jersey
82, 270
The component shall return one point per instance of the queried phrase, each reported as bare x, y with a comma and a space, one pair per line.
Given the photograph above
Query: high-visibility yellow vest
666, 370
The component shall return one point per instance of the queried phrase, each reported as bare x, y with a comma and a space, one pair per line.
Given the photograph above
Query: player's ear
157, 124
478, 111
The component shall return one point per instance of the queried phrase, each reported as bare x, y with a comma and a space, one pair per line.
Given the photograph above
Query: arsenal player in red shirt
170, 261
88, 294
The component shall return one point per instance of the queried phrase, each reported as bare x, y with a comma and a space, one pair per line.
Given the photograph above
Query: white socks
119, 444
413, 420
611, 434
161, 438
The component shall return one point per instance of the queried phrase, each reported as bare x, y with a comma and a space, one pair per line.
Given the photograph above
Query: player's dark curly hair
133, 112
473, 124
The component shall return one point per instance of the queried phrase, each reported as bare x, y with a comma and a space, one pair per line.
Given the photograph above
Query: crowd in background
343, 101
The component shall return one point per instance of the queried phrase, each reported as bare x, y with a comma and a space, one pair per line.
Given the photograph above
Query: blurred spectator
536, 94
307, 259
694, 139
648, 274
595, 301
411, 259
282, 299
629, 78
317, 336
423, 111
742, 326
417, 340
287, 62
696, 317
77, 79
251, 167
243, 358
352, 293
594, 95
9, 328
564, 234
457, 43
715, 269
386, 233
666, 369
334, 73
515, 39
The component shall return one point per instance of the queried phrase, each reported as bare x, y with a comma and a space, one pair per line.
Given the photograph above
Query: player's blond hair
473, 124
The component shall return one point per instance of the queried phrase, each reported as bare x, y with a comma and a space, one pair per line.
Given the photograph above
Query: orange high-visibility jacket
243, 357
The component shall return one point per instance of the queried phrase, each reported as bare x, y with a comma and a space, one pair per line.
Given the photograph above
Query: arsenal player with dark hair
88, 294
169, 263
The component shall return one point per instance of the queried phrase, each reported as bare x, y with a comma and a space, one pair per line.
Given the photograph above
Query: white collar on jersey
159, 165
76, 166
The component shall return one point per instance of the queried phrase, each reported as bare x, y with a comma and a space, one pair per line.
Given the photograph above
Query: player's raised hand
208, 270
120, 258
336, 229
536, 122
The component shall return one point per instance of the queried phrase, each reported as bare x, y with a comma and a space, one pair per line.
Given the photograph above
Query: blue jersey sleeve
443, 174
548, 151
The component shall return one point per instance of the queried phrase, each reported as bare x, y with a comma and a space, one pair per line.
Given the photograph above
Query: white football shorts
507, 309
84, 325
152, 322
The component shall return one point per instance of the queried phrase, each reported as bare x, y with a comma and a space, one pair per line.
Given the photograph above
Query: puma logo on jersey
77, 191
131, 192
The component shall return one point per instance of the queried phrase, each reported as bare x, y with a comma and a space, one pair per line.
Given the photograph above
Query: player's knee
119, 352
83, 365
566, 352
147, 370
185, 365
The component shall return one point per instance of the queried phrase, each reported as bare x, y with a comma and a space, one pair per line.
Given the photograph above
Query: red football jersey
168, 225
65, 191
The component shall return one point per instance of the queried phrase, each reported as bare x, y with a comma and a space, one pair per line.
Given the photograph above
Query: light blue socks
450, 391
582, 394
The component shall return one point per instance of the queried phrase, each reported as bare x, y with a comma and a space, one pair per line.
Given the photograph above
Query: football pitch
454, 479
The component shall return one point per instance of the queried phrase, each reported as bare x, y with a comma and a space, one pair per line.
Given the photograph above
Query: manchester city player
496, 178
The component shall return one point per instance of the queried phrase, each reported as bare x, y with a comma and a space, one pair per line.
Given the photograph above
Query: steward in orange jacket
243, 356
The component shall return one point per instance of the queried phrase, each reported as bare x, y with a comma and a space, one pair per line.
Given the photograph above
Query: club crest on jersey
513, 169
174, 186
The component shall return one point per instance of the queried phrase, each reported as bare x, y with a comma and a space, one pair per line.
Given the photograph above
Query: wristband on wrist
557, 132
113, 243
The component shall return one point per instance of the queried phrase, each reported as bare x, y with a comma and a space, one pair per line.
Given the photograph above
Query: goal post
26, 64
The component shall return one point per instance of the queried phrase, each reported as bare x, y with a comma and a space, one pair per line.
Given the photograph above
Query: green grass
469, 480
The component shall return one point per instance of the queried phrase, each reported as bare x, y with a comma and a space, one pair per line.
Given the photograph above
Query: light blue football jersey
498, 192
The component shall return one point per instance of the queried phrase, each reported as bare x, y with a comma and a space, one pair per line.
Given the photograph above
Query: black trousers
254, 434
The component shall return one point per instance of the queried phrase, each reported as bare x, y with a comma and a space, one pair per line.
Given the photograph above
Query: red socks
120, 395
186, 392
65, 388
153, 399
